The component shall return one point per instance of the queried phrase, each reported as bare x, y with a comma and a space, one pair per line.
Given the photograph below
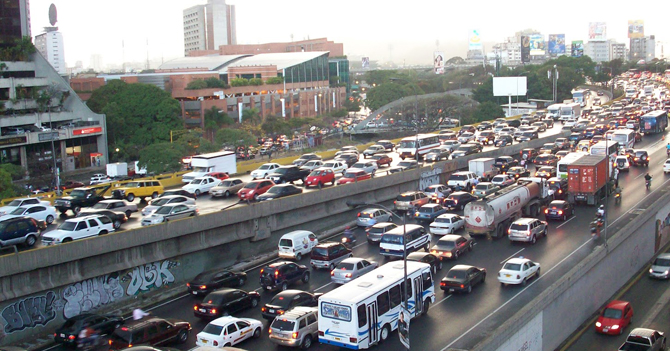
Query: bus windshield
406, 144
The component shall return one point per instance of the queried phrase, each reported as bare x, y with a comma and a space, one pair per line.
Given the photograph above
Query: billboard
525, 49
365, 62
509, 86
438, 62
537, 44
577, 48
474, 41
556, 44
635, 29
597, 31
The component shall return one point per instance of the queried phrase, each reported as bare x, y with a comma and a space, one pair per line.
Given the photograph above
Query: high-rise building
618, 51
96, 62
643, 48
14, 21
206, 27
50, 45
598, 51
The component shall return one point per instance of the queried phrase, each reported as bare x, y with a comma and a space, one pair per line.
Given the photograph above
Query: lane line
514, 254
444, 299
321, 287
514, 297
562, 224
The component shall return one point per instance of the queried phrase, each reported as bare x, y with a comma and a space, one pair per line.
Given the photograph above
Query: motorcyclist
348, 235
667, 149
647, 178
601, 211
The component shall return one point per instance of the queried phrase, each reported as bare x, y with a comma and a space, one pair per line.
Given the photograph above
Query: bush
255, 81
239, 82
274, 80
196, 84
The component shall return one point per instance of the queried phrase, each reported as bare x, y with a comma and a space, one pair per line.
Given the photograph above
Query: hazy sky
382, 30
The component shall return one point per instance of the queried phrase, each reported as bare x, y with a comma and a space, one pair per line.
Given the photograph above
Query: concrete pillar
24, 158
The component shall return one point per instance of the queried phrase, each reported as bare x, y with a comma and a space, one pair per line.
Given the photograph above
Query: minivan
297, 243
297, 327
392, 241
328, 255
411, 199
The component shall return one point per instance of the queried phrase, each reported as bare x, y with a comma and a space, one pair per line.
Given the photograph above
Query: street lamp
416, 116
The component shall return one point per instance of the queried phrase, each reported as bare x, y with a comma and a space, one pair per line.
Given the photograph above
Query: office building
319, 44
643, 48
14, 21
206, 27
50, 45
598, 51
618, 51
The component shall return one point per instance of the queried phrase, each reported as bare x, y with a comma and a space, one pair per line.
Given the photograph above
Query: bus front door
373, 330
418, 298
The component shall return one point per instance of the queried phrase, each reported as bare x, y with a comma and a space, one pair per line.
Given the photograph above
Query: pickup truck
80, 197
642, 339
288, 174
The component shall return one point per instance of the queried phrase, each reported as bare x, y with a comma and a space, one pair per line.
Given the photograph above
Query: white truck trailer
223, 161
483, 167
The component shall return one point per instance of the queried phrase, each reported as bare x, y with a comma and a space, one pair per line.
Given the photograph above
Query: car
426, 257
503, 180
371, 216
286, 300
541, 126
528, 135
546, 160
641, 158
528, 154
382, 160
545, 172
347, 149
451, 145
410, 200
437, 192
467, 129
279, 275
312, 165
19, 230
113, 205
170, 212
297, 327
548, 121
622, 162
507, 131
559, 209
452, 246
373, 150
484, 126
353, 176
518, 270
208, 281
229, 331
279, 191
328, 255
558, 187
305, 158
218, 175
387, 144
447, 223
138, 189
527, 230
644, 339
337, 167
348, 158
117, 218
374, 233
153, 205
600, 93
319, 177
437, 154
68, 333
484, 188
71, 184
446, 135
660, 268
486, 138
462, 180
350, 269
407, 164
589, 132
666, 166
458, 200
502, 163
466, 137
177, 192
100, 179
562, 153
562, 143
227, 187
503, 140
461, 278
225, 302
368, 166
518, 172
39, 212
614, 318
151, 331
201, 185
22, 202
500, 127
254, 189
264, 170
78, 228
428, 212
549, 148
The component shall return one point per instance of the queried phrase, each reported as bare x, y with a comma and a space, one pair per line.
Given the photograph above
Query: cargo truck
483, 167
224, 161
118, 169
587, 179
569, 112
493, 214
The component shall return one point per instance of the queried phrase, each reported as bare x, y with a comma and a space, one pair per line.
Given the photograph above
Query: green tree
275, 126
234, 138
488, 110
255, 81
15, 172
162, 157
196, 84
6, 186
213, 82
239, 82
274, 80
21, 50
215, 119
251, 116
385, 93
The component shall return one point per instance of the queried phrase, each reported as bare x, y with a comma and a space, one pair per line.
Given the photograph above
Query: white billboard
509, 86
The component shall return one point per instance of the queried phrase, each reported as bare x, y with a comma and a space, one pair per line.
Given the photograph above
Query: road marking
514, 254
635, 206
514, 297
321, 287
444, 299
562, 224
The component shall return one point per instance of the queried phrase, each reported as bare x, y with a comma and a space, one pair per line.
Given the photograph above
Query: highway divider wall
42, 287
563, 307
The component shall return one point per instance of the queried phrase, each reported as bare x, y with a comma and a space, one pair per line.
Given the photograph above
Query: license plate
243, 196
268, 287
203, 341
194, 292
387, 250
606, 329
62, 335
203, 310
271, 311
552, 212
338, 339
508, 275
309, 182
451, 290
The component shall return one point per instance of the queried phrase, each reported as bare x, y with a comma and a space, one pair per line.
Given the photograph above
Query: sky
403, 32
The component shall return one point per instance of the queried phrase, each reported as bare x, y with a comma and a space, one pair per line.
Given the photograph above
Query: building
618, 51
320, 44
14, 21
206, 27
96, 63
509, 51
598, 51
643, 48
63, 130
50, 45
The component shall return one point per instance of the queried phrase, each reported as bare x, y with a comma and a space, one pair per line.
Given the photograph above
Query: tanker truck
493, 214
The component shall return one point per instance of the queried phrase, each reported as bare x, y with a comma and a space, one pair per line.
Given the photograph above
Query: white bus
365, 311
407, 148
580, 97
565, 161
625, 138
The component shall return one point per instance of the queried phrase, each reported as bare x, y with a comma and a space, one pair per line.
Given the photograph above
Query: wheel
197, 192
469, 289
284, 286
130, 197
320, 185
50, 219
524, 282
426, 307
306, 342
129, 213
116, 224
305, 278
67, 240
241, 281
533, 240
153, 196
439, 266
257, 333
298, 256
254, 302
182, 336
537, 274
76, 210
30, 241
255, 197
227, 193
384, 334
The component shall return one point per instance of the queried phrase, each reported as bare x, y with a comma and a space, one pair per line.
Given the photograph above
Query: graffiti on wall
30, 312
429, 178
90, 294
662, 227
149, 276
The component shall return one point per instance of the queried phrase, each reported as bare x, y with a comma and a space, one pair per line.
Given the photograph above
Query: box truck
483, 167
223, 161
119, 169
587, 179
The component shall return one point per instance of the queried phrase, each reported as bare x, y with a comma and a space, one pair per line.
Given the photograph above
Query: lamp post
416, 116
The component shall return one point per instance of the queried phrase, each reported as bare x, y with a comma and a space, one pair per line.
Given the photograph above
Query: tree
488, 111
385, 93
456, 60
162, 157
215, 119
234, 138
275, 126
6, 186
251, 116
196, 84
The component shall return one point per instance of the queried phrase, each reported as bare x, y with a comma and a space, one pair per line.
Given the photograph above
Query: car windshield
163, 210
612, 313
264, 167
528, 134
215, 299
67, 226
444, 244
329, 165
212, 329
456, 274
405, 164
283, 324
196, 181
226, 183
405, 144
251, 185
426, 209
275, 190
317, 173
100, 206
458, 177
482, 187
665, 262
18, 211
131, 185
78, 193
442, 220
14, 203
516, 226
281, 301
345, 266
405, 198
358, 165
498, 179
352, 175
392, 239
512, 266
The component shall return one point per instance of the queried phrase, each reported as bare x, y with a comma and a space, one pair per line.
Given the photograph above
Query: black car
387, 144
305, 158
426, 257
579, 127
528, 135
549, 148
503, 163
348, 158
516, 123
559, 209
518, 172
178, 192
117, 218
589, 132
484, 126
280, 275
461, 278
466, 149
278, 191
458, 200
225, 302
546, 160
467, 128
286, 300
208, 281
640, 158
503, 140
574, 138
528, 154
68, 333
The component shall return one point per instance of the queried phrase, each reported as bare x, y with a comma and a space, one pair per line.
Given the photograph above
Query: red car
218, 175
614, 318
355, 176
382, 160
71, 184
253, 189
319, 177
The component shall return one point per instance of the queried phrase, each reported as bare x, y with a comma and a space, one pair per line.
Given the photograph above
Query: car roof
431, 205
354, 259
295, 233
642, 332
370, 209
525, 220
328, 244
224, 291
223, 321
298, 312
77, 219
617, 304
558, 202
517, 260
664, 256
447, 215
449, 237
379, 225
461, 267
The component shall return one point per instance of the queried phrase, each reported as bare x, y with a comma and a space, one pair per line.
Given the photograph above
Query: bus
667, 73
365, 311
565, 161
631, 92
625, 138
407, 149
580, 97
654, 122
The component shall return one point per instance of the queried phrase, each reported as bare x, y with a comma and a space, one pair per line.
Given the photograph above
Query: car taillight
353, 340
295, 335
263, 309
215, 343
462, 286
71, 337
518, 276
359, 214
332, 273
560, 212
321, 333
270, 331
348, 275
509, 231
280, 312
443, 284
277, 272
188, 284
203, 286
213, 311
195, 308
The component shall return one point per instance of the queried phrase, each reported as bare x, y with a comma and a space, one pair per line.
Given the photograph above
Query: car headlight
615, 327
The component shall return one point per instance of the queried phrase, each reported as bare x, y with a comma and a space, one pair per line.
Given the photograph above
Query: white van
296, 244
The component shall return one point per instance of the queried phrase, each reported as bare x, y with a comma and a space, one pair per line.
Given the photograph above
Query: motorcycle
617, 197
596, 224
647, 183
349, 240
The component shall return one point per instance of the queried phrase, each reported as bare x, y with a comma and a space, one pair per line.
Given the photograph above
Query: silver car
227, 187
113, 205
372, 216
166, 200
350, 269
170, 212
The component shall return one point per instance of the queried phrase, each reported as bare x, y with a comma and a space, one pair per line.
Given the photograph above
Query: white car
263, 171
507, 131
466, 137
451, 145
165, 200
312, 165
503, 180
336, 166
518, 271
447, 223
666, 166
622, 163
228, 331
368, 167
12, 205
170, 212
40, 212
79, 228
201, 185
